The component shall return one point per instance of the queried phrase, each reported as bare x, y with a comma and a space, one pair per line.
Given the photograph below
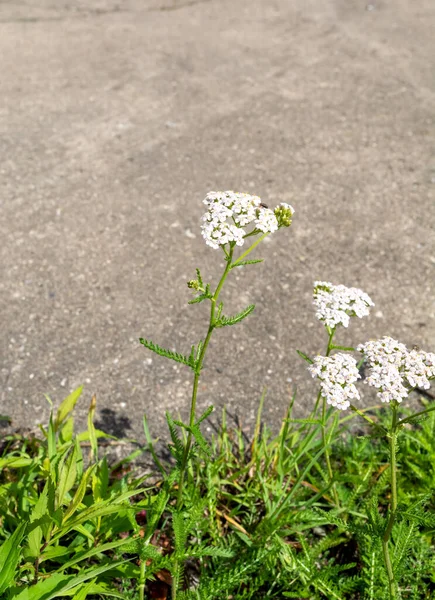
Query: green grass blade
10, 552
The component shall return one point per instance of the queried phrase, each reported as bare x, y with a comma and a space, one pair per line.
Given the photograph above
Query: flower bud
284, 213
194, 284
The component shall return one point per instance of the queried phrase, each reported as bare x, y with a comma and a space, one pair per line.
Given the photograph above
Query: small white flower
266, 220
337, 375
335, 304
219, 234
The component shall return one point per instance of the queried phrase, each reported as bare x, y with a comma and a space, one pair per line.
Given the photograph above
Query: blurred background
117, 117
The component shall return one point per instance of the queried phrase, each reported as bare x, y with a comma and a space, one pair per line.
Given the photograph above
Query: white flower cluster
337, 375
229, 212
337, 303
420, 368
266, 220
394, 370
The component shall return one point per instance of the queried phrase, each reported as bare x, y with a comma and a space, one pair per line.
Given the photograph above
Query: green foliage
58, 515
180, 358
305, 357
198, 286
313, 512
224, 321
258, 520
243, 263
10, 552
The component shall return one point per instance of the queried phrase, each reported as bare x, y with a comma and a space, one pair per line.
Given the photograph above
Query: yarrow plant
230, 219
226, 519
393, 370
335, 306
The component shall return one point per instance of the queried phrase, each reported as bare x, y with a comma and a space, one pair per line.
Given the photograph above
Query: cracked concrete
116, 117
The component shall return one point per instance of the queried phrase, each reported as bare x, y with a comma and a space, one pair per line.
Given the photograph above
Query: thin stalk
330, 347
36, 566
229, 265
418, 414
319, 395
197, 376
211, 327
393, 508
327, 353
359, 412
142, 580
327, 457
249, 250
174, 585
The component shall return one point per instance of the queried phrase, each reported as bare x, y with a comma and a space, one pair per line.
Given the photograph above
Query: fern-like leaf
204, 296
205, 414
201, 441
177, 449
180, 532
155, 511
198, 350
404, 543
196, 432
224, 321
243, 263
305, 357
371, 564
200, 281
212, 551
180, 358
219, 311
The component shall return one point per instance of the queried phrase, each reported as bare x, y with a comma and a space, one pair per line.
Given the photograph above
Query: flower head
419, 368
228, 213
337, 374
394, 370
335, 304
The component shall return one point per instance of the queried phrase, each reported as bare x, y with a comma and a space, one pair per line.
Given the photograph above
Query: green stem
197, 376
174, 585
343, 348
388, 566
393, 507
319, 395
330, 347
142, 580
327, 457
211, 327
330, 344
249, 250
356, 411
422, 412
366, 418
328, 352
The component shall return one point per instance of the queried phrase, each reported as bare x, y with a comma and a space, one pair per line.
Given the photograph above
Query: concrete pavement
116, 118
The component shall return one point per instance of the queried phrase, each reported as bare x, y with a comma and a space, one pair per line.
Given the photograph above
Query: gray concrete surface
116, 118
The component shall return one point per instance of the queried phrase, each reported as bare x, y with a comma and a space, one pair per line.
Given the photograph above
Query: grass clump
258, 521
